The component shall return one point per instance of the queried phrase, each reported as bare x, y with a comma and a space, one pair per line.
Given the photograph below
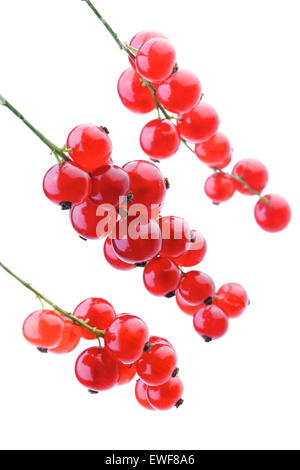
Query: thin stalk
240, 180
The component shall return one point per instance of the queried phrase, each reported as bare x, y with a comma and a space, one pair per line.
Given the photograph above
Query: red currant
196, 287
159, 340
253, 172
91, 146
126, 337
274, 215
66, 184
176, 236
166, 396
96, 369
140, 38
157, 364
147, 183
136, 240
113, 259
69, 340
141, 394
93, 221
195, 253
232, 299
110, 184
160, 139
215, 151
155, 60
99, 312
180, 92
185, 306
127, 373
199, 124
162, 277
210, 322
219, 187
43, 329
134, 96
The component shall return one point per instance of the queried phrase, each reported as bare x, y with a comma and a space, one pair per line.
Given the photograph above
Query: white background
60, 67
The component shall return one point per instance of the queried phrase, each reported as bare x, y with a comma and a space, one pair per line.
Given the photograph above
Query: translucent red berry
93, 221
180, 92
43, 328
176, 236
185, 306
195, 252
196, 287
215, 151
159, 340
126, 337
110, 185
232, 299
140, 38
113, 259
157, 364
219, 187
253, 172
210, 322
274, 215
91, 146
166, 396
155, 60
127, 372
134, 96
99, 312
160, 139
162, 276
69, 340
199, 124
141, 394
96, 369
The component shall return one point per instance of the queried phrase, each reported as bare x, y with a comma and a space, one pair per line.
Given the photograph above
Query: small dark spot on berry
170, 295
179, 403
216, 203
147, 346
193, 238
42, 350
65, 205
208, 301
141, 265
82, 238
93, 392
207, 339
104, 129
154, 161
176, 68
175, 372
167, 183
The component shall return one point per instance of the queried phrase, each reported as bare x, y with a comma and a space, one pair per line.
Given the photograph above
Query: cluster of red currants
128, 350
155, 81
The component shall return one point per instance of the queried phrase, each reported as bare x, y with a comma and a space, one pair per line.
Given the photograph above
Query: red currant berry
110, 184
159, 340
69, 340
155, 60
91, 146
176, 236
43, 329
219, 187
195, 253
184, 306
67, 184
160, 139
167, 395
134, 96
199, 124
113, 259
137, 240
99, 312
274, 215
156, 366
126, 337
127, 372
210, 322
232, 299
141, 394
140, 38
180, 92
93, 221
253, 172
147, 183
162, 276
215, 151
96, 369
196, 287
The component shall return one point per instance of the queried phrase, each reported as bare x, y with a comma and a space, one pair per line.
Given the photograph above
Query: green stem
240, 180
97, 333
54, 149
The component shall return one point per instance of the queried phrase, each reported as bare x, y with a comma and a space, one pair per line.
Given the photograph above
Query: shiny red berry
156, 365
93, 221
219, 187
126, 337
160, 139
180, 92
215, 151
184, 306
210, 322
43, 328
253, 172
155, 60
136, 240
147, 183
65, 183
110, 185
232, 299
91, 146
96, 369
113, 259
199, 124
99, 312
274, 215
159, 340
162, 276
141, 394
69, 340
140, 38
196, 287
176, 236
127, 372
195, 252
134, 96
166, 396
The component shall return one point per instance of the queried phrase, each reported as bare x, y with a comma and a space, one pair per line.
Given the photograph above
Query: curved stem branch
240, 180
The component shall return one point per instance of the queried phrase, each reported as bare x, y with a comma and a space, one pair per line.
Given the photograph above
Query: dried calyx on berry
104, 129
141, 265
65, 205
208, 301
207, 339
175, 372
170, 295
167, 183
42, 350
179, 403
93, 392
147, 346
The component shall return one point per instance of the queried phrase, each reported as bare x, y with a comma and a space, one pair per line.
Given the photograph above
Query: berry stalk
84, 324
